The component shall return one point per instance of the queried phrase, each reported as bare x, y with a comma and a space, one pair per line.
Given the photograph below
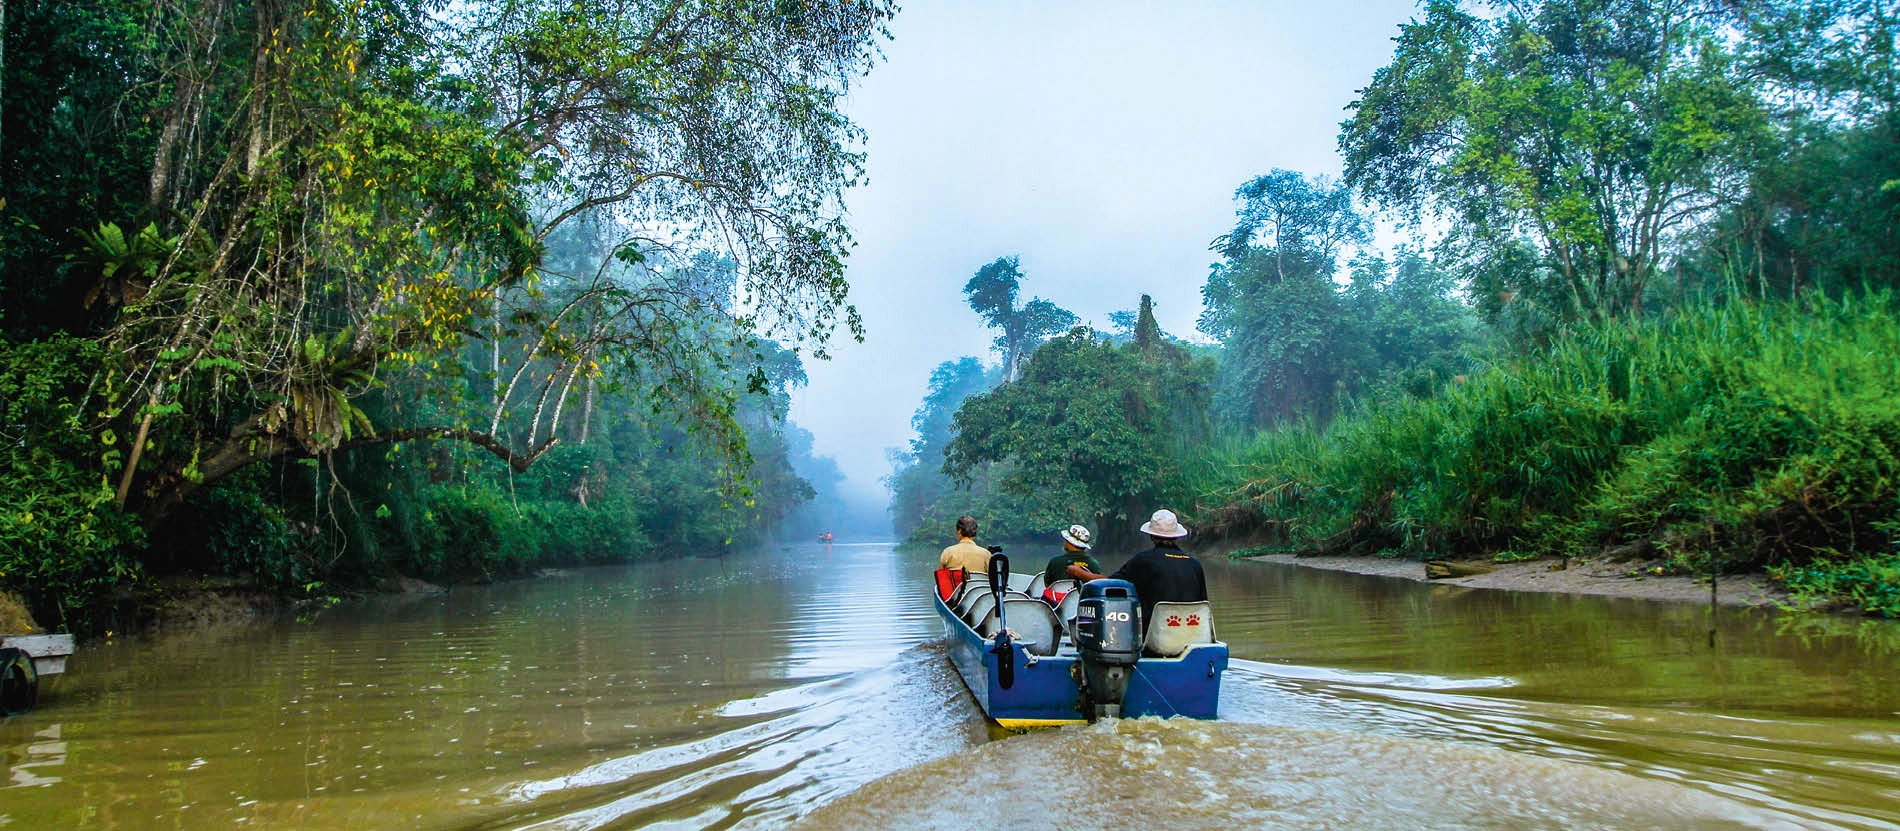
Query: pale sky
1100, 142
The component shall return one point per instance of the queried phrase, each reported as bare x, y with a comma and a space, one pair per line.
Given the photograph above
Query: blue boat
1033, 665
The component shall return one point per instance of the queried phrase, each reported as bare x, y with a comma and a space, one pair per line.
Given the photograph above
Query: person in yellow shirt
966, 554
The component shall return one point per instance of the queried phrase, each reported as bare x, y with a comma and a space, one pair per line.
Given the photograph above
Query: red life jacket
948, 579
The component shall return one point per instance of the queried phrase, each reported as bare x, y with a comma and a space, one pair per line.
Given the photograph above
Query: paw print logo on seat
1194, 620
1175, 620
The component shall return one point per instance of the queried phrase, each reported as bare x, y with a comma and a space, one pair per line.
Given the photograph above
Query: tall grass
1725, 438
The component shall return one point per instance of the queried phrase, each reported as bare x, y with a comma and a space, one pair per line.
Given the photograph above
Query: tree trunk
587, 410
1442, 569
494, 354
202, 27
246, 446
132, 458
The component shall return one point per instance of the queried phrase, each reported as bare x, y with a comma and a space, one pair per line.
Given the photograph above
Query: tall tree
1601, 130
1305, 222
1823, 210
917, 481
992, 293
343, 193
1272, 301
1091, 427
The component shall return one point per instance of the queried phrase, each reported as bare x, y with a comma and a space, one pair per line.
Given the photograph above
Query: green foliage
239, 530
1089, 433
1295, 342
1829, 58
641, 486
1410, 330
1305, 222
1598, 129
1729, 437
1819, 216
1870, 583
992, 293
62, 542
471, 532
1003, 513
1281, 346
315, 200
306, 241
1091, 428
924, 502
77, 149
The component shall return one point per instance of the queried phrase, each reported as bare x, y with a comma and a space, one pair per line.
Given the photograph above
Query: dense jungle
315, 295
1634, 300
457, 414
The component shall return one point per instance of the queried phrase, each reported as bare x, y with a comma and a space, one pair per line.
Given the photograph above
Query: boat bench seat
981, 606
1177, 626
1033, 623
968, 597
1019, 582
969, 583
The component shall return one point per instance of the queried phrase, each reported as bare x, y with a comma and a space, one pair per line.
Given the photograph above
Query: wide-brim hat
1164, 524
1077, 536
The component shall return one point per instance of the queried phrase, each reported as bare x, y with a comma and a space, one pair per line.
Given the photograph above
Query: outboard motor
1108, 636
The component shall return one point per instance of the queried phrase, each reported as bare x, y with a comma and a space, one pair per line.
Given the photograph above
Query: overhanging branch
519, 461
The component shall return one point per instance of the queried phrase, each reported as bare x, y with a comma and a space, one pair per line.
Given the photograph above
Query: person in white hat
1163, 572
1075, 555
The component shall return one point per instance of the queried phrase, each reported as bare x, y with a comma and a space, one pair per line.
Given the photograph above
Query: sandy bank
1590, 577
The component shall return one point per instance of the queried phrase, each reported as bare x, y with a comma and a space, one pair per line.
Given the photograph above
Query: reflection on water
749, 691
36, 764
1562, 648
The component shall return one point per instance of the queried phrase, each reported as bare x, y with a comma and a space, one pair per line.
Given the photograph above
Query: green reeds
1726, 437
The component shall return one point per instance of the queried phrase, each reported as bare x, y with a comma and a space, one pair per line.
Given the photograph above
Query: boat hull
1045, 691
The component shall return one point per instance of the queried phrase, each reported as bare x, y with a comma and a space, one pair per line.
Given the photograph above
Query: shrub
1871, 583
1730, 437
63, 540
237, 529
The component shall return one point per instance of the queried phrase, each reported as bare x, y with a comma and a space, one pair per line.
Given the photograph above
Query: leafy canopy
353, 194
1091, 425
1272, 301
992, 293
1597, 130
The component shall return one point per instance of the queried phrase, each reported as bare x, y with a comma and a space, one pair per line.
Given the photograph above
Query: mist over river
808, 683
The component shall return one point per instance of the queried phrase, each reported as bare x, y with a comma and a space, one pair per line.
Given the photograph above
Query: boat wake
1786, 769
1296, 747
1218, 774
786, 752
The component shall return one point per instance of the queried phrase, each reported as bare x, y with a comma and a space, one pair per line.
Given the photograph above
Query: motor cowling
1108, 640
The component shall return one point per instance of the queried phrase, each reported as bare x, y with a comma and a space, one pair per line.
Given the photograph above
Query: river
808, 684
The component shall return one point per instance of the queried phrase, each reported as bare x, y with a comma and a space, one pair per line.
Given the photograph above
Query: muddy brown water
809, 685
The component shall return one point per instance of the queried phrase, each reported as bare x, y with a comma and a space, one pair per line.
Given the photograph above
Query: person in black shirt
1163, 572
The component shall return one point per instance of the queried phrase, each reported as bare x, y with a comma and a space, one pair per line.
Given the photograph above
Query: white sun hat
1165, 525
1077, 536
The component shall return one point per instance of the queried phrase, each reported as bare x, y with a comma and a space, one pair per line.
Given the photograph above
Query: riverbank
1605, 578
1736, 437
